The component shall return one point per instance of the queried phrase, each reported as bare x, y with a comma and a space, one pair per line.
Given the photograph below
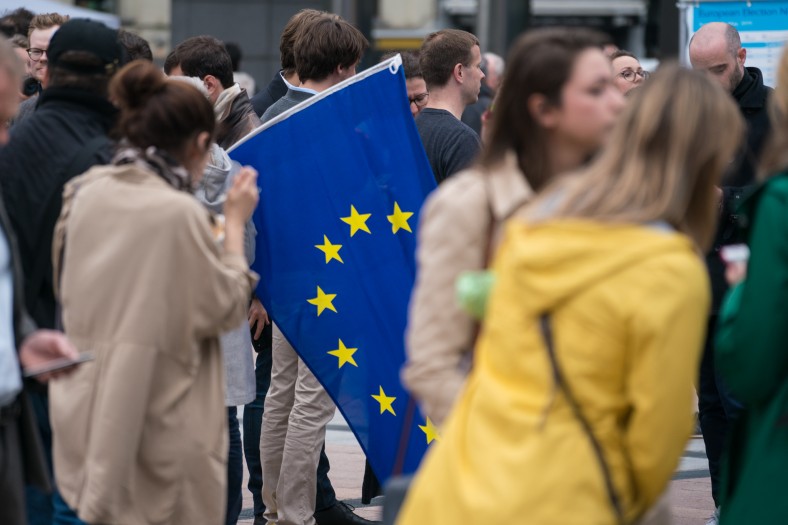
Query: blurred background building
649, 28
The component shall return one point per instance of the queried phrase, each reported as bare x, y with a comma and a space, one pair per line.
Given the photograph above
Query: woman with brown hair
140, 434
553, 111
579, 403
629, 74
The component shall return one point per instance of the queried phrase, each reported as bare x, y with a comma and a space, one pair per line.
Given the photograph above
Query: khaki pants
297, 411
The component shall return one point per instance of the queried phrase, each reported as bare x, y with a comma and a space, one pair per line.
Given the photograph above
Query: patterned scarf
159, 161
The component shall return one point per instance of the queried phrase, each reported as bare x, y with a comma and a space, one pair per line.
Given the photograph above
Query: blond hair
665, 155
775, 157
45, 21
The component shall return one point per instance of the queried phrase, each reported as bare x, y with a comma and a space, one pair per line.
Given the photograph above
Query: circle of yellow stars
325, 301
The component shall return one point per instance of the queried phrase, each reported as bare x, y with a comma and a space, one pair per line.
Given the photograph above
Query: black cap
81, 34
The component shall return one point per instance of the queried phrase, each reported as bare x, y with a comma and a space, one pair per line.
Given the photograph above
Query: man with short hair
206, 58
286, 77
136, 47
42, 27
492, 67
297, 407
63, 138
716, 49
451, 65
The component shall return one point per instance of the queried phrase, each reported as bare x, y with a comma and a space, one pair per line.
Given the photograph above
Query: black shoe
340, 514
259, 519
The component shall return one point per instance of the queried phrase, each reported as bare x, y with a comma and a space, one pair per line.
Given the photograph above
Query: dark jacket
66, 135
33, 460
275, 90
239, 122
751, 358
751, 96
472, 116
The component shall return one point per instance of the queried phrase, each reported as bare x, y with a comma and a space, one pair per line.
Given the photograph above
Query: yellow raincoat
628, 306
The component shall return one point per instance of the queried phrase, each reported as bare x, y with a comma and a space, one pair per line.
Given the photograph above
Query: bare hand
243, 195
43, 346
258, 315
735, 272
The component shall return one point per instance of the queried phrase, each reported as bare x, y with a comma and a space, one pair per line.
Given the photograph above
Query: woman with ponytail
144, 284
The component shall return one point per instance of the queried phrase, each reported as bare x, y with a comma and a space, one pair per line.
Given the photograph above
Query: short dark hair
235, 53
410, 62
287, 40
170, 62
324, 45
136, 47
17, 22
19, 41
443, 50
200, 56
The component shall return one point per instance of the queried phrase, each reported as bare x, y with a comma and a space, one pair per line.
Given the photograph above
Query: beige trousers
297, 411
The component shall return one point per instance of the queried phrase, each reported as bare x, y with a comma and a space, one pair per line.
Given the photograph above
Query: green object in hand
473, 290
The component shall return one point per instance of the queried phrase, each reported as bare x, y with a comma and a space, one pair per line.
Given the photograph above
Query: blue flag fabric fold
342, 179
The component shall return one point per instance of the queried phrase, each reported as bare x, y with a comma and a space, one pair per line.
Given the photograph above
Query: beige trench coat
453, 238
140, 433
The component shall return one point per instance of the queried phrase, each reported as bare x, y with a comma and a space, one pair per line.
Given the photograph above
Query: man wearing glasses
42, 27
629, 73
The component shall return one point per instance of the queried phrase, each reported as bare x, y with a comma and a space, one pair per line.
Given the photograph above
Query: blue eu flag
342, 178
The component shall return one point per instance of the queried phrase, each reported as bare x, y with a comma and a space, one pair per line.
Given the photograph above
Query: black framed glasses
420, 100
35, 54
630, 74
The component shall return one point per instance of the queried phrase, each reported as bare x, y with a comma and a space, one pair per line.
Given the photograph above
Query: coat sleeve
220, 284
750, 347
451, 240
662, 367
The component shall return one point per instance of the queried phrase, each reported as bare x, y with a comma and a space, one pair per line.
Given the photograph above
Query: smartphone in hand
58, 364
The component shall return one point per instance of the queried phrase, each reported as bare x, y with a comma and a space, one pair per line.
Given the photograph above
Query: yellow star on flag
344, 354
399, 219
431, 432
323, 301
385, 401
331, 250
357, 221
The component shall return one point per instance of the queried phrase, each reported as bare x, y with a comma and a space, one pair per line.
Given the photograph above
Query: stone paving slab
689, 492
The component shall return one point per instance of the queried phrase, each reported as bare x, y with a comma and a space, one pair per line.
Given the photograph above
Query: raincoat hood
561, 259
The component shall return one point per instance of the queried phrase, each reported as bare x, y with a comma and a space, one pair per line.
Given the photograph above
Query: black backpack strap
560, 382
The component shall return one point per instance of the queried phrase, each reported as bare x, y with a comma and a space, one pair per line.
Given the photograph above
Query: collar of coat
507, 188
79, 97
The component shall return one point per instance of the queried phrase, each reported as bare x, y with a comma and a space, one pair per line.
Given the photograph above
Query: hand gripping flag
342, 177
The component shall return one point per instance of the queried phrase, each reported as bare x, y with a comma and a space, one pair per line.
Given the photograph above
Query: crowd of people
562, 314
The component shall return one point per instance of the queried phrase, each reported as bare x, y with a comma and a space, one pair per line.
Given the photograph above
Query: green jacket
752, 356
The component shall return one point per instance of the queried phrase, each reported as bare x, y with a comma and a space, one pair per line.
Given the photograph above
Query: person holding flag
297, 407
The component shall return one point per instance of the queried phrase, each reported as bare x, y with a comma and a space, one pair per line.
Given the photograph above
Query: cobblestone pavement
690, 490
